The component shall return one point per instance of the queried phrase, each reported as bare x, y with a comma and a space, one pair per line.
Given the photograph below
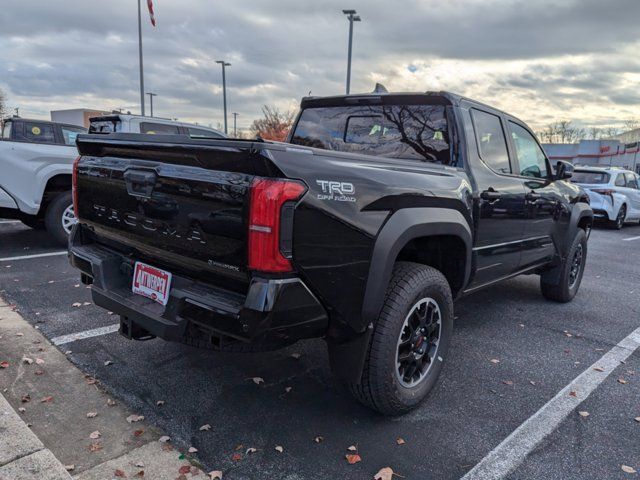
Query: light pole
235, 118
224, 90
352, 17
140, 55
151, 95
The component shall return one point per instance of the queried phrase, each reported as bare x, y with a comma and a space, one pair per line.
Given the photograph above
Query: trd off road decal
336, 191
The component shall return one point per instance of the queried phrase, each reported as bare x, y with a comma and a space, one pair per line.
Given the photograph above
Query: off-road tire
379, 387
564, 290
53, 217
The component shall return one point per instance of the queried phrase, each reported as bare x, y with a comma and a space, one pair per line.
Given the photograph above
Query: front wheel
59, 217
409, 342
571, 272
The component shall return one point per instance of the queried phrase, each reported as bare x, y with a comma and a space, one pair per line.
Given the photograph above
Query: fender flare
404, 226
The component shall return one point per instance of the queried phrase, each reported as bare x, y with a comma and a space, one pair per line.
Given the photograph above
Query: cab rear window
417, 132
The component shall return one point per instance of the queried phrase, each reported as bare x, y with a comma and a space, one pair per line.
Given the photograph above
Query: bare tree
274, 125
562, 131
631, 124
3, 104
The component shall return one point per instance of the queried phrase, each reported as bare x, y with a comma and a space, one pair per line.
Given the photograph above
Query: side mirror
564, 170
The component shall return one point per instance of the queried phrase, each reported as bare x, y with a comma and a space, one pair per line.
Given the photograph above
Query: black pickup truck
362, 229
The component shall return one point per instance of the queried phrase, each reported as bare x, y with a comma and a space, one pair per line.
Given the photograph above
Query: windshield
582, 176
398, 131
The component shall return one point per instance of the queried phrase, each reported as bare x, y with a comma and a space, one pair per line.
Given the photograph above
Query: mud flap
347, 358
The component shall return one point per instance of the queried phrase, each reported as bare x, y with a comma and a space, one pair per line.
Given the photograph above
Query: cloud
539, 60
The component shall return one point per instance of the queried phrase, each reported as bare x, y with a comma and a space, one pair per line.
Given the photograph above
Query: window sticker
36, 130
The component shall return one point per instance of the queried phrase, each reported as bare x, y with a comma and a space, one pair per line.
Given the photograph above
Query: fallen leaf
494, 361
353, 458
90, 380
573, 393
94, 435
94, 447
39, 361
583, 413
236, 457
26, 398
532, 382
22, 409
160, 403
19, 334
250, 450
184, 469
206, 427
287, 389
70, 468
215, 475
352, 448
637, 419
86, 303
140, 474
507, 382
4, 364
140, 464
400, 441
598, 369
76, 304
135, 418
107, 363
138, 433
628, 469
27, 360
110, 403
193, 449
279, 449
318, 439
295, 355
120, 473
38, 372
258, 380
622, 381
47, 399
384, 474
164, 439
92, 414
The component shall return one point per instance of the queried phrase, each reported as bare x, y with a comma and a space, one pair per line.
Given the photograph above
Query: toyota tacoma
362, 229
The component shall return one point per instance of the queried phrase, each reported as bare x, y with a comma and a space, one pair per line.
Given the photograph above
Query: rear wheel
571, 272
410, 341
60, 218
618, 223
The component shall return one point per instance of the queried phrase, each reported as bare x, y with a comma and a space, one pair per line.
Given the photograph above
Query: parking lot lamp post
151, 95
235, 118
224, 90
140, 55
352, 17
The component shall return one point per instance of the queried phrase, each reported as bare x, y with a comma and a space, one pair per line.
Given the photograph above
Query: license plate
151, 282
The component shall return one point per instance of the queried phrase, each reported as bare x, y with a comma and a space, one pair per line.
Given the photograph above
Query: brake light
74, 187
604, 191
267, 198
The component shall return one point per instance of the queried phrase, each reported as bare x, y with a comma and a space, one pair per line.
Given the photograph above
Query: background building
600, 153
76, 116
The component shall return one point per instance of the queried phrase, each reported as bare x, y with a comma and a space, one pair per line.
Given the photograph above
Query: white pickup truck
36, 161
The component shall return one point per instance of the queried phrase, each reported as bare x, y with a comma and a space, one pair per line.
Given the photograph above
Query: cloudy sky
539, 60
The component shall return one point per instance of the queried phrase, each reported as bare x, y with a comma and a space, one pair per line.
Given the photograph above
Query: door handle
532, 196
140, 183
490, 194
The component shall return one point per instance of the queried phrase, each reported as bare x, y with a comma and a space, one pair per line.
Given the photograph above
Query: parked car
36, 161
379, 211
150, 125
614, 193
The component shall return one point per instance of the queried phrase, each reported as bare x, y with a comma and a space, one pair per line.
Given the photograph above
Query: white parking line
96, 332
10, 221
514, 449
631, 238
36, 255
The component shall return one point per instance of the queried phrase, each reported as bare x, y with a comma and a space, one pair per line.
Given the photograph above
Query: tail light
74, 188
268, 197
604, 191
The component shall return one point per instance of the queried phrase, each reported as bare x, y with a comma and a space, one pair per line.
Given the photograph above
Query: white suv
151, 125
614, 193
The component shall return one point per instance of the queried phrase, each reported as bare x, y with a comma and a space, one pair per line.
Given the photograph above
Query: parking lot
512, 352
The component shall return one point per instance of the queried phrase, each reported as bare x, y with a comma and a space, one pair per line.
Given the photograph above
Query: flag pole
140, 54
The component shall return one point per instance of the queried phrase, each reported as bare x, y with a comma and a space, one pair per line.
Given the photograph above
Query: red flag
151, 16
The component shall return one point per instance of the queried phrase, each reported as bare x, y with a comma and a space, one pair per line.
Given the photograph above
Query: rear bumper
198, 313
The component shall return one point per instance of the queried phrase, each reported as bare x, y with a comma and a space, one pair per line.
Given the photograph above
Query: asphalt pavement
511, 353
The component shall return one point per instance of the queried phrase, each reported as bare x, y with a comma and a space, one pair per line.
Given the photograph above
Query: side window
620, 180
39, 132
492, 145
69, 134
158, 128
532, 160
200, 133
631, 181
